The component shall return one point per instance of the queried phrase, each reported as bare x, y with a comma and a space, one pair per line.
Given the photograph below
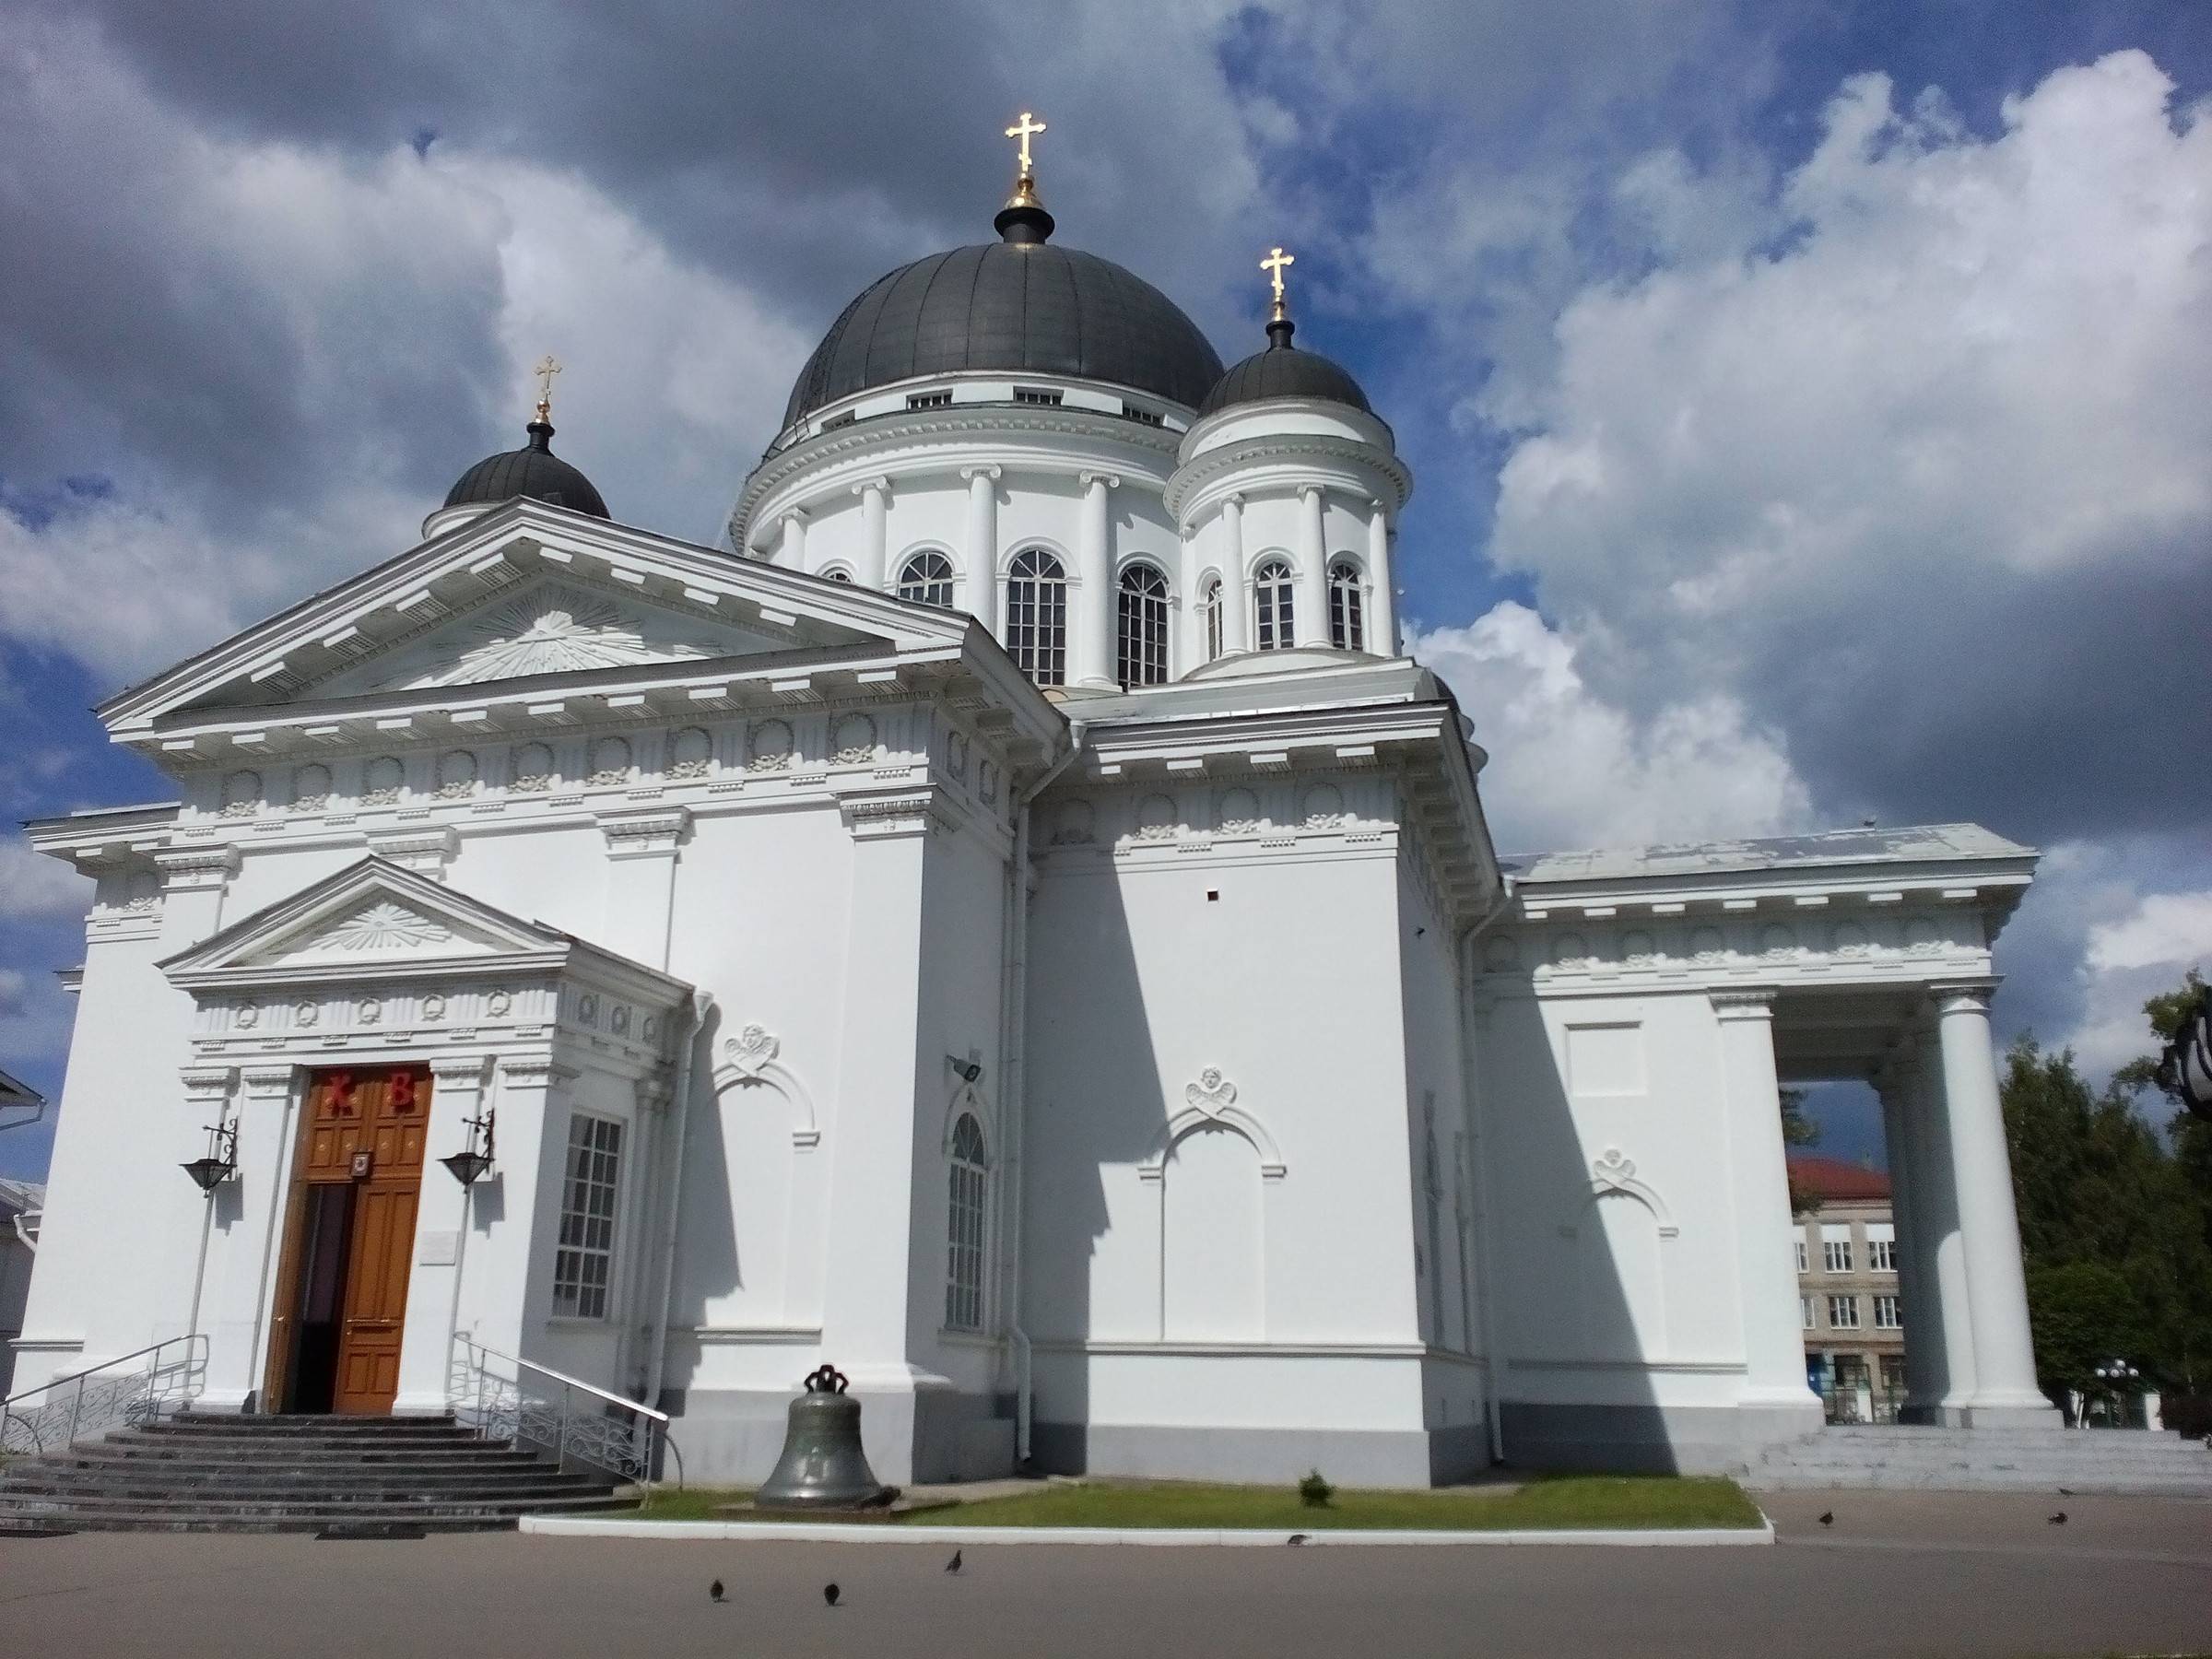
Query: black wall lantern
2186, 1068
470, 1164
220, 1160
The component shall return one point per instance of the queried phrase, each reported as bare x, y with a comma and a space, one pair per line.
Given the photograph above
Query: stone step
62, 1483
298, 1518
387, 1505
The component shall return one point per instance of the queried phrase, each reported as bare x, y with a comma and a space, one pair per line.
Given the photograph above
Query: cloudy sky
1811, 401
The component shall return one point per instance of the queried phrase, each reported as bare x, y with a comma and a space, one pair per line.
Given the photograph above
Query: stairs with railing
337, 1474
1901, 1457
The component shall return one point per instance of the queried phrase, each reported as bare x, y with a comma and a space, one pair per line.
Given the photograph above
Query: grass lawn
1562, 1501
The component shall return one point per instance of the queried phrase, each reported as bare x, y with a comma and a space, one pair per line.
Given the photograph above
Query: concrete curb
800, 1532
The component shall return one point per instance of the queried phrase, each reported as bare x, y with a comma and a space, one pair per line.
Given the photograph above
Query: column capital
1091, 480
204, 1083
183, 868
1308, 492
882, 485
1960, 996
792, 515
458, 1071
652, 832
268, 1078
534, 1071
990, 470
1750, 1002
425, 851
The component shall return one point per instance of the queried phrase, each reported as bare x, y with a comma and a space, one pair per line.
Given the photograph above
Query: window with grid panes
1037, 617
1211, 607
1887, 1315
964, 1227
1881, 1247
584, 1262
927, 577
1835, 1249
1271, 605
1843, 1312
1142, 641
1348, 627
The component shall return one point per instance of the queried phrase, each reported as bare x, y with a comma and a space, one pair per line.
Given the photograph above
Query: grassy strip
1581, 1501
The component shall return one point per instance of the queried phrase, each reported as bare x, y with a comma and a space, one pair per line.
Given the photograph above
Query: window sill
577, 1321
957, 1338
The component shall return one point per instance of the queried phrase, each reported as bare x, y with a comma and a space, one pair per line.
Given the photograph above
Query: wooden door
342, 1292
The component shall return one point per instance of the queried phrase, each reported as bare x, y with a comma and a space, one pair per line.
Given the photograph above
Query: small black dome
1021, 304
534, 471
1282, 371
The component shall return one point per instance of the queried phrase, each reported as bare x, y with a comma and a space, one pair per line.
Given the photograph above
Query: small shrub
1314, 1492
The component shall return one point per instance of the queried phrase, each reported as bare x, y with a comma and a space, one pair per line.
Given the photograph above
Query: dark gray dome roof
534, 471
1282, 371
1019, 305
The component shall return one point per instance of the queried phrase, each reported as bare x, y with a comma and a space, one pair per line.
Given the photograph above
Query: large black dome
1024, 306
534, 471
1282, 371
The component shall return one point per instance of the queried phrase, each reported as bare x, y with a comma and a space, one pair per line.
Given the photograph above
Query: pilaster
1311, 626
642, 848
441, 1241
194, 882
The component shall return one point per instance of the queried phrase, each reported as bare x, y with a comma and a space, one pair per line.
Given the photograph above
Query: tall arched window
1271, 597
1209, 605
1144, 629
1037, 617
964, 1227
926, 578
1348, 627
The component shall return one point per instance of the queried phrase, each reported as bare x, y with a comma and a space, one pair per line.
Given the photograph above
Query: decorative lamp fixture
220, 1160
470, 1164
967, 1071
2186, 1068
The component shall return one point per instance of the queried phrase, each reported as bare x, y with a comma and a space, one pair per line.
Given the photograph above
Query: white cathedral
1010, 923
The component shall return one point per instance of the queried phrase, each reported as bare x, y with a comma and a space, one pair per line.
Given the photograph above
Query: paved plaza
1905, 1573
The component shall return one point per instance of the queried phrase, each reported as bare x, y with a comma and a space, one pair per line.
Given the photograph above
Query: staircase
344, 1476
1902, 1458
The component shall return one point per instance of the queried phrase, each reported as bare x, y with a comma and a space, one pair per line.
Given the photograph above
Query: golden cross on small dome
546, 369
1273, 265
1022, 129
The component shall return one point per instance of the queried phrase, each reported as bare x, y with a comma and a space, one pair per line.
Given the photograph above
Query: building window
1143, 652
1804, 1311
846, 419
1271, 600
839, 575
1031, 394
1801, 1260
1348, 627
964, 1229
1881, 1247
1843, 1312
926, 578
928, 400
582, 1267
1209, 605
1037, 617
1835, 1249
1149, 417
1886, 1316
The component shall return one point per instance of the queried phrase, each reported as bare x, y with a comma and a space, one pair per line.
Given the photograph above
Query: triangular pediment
368, 914
531, 592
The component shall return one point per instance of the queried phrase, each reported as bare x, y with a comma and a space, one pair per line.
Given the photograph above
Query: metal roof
1918, 844
534, 471
1282, 371
1018, 306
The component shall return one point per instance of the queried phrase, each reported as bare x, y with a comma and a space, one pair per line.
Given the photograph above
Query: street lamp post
2119, 1379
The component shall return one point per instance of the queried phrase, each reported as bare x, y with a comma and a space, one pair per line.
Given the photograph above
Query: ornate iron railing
130, 1389
504, 1397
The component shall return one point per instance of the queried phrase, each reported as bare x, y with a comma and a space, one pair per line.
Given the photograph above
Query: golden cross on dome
546, 369
1022, 129
1273, 265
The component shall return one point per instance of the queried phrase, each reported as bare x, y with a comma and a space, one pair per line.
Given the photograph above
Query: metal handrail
121, 1404
522, 1418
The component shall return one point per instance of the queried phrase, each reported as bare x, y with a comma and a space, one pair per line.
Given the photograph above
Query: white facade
1146, 1078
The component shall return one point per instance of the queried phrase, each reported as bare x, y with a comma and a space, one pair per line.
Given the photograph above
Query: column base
2042, 1414
426, 1404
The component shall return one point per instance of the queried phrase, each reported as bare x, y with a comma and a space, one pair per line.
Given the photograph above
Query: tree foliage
2115, 1219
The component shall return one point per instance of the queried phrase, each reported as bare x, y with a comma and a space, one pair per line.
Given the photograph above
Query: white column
1382, 598
211, 1310
1759, 1184
1236, 592
514, 1212
793, 554
440, 1240
982, 544
1948, 1323
642, 852
1310, 622
1094, 600
2005, 1390
1915, 1264
875, 499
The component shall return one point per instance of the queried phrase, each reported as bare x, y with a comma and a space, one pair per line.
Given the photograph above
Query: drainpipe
697, 1010
1494, 1363
1014, 1010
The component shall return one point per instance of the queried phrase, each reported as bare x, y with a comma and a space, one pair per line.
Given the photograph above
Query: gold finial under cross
546, 369
1275, 264
1022, 129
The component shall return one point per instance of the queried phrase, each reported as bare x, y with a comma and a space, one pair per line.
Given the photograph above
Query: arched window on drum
1143, 641
926, 578
1036, 615
1271, 585
1347, 624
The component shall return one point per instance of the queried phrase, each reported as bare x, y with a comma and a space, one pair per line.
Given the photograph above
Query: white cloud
1921, 474
1568, 768
32, 885
2141, 952
2166, 930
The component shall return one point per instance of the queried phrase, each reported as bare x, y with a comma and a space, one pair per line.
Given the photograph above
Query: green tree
2115, 1222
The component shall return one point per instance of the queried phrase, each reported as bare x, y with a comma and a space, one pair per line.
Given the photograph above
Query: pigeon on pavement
1827, 1517
953, 1565
1300, 1538
830, 1594
2057, 1520
714, 1591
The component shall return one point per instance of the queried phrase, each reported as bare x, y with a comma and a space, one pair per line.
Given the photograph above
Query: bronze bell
823, 1465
